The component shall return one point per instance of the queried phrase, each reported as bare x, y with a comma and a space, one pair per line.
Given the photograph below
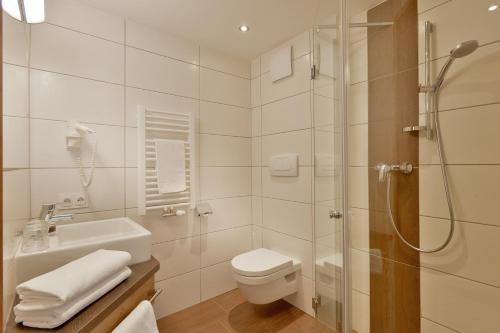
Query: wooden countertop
92, 315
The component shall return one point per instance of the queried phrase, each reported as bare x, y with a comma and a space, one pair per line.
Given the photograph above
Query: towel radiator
153, 124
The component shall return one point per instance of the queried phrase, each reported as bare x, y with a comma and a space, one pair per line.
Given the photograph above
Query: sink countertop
88, 318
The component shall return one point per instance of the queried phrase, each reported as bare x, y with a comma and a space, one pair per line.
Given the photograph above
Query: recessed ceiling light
492, 8
30, 11
244, 28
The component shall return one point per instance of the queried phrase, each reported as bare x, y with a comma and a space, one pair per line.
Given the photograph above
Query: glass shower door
328, 194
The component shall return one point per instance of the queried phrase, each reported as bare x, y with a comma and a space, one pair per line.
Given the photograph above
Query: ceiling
215, 23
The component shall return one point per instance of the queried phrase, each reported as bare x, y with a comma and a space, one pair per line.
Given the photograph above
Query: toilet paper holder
204, 209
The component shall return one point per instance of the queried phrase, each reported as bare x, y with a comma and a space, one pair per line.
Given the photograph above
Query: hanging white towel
71, 280
281, 63
141, 319
171, 165
58, 315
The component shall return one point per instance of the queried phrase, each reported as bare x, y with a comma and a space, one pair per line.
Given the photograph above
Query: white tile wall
281, 123
459, 285
96, 68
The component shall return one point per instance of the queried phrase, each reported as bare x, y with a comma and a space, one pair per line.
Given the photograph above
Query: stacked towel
141, 319
49, 300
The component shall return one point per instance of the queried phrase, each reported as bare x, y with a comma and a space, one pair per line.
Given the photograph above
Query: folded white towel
71, 280
57, 316
171, 165
141, 319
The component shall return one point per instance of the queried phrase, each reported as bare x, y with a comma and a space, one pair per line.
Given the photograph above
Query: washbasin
72, 241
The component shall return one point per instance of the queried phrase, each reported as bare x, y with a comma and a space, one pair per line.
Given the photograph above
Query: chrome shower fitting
385, 169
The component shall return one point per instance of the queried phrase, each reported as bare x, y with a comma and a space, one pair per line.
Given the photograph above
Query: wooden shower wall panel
393, 104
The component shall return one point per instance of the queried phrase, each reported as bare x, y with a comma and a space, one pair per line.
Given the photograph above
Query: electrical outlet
80, 200
65, 201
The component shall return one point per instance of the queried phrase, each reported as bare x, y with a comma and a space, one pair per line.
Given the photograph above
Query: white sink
72, 241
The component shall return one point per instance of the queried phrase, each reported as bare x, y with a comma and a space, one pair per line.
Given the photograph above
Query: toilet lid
260, 262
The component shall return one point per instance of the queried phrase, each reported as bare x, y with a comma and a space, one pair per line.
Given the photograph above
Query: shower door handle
335, 214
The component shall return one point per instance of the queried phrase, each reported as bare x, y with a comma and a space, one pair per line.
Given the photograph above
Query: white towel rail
156, 124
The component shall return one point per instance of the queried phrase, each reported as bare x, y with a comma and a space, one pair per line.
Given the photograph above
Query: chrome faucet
47, 214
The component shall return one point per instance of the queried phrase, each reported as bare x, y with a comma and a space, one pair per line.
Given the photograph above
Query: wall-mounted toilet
265, 276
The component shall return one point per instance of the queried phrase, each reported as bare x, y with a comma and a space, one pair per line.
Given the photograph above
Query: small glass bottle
35, 236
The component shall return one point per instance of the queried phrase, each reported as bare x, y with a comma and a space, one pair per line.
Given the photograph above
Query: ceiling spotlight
493, 8
30, 11
244, 28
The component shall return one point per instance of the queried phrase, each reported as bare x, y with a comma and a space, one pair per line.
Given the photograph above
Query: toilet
264, 276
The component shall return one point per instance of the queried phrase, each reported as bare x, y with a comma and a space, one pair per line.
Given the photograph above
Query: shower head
464, 49
461, 50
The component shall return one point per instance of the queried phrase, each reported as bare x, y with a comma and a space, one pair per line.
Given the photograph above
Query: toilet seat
260, 262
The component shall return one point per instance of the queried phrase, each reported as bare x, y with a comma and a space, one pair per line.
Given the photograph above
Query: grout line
461, 221
435, 322
124, 115
85, 33
284, 98
434, 7
227, 135
460, 277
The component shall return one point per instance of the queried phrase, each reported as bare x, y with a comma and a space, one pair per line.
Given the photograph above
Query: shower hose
444, 174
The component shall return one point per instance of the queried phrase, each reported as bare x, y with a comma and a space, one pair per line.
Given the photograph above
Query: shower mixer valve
385, 169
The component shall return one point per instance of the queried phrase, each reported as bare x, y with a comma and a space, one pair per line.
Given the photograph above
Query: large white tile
15, 142
76, 16
15, 40
360, 262
471, 80
220, 246
460, 304
150, 39
221, 150
16, 194
424, 5
94, 216
427, 326
358, 145
255, 67
325, 111
131, 177
290, 114
105, 193
360, 312
223, 119
300, 44
164, 230
177, 257
65, 51
256, 121
458, 21
474, 192
216, 280
48, 146
302, 299
257, 237
227, 213
180, 292
131, 147
256, 151
224, 88
155, 100
293, 247
255, 92
62, 97
15, 90
470, 136
292, 218
360, 229
155, 72
219, 61
358, 108
471, 253
296, 142
358, 187
223, 182
256, 210
288, 188
256, 181
359, 62
299, 82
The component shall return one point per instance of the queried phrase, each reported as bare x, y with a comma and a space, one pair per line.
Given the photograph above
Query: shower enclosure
406, 179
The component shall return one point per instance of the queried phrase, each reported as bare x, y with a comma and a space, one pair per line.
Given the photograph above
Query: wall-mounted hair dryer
74, 137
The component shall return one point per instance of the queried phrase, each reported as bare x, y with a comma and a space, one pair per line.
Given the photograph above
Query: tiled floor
231, 313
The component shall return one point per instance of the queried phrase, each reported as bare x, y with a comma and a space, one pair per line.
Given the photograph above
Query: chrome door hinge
314, 72
335, 214
316, 303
